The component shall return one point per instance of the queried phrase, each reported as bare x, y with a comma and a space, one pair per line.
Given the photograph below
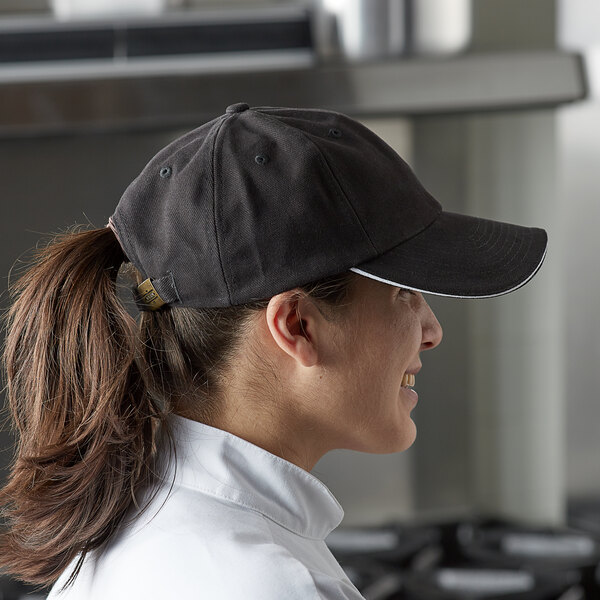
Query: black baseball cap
264, 199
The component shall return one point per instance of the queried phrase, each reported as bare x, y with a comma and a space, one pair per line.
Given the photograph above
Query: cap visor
462, 257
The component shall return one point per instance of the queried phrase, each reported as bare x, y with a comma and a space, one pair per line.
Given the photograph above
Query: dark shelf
46, 40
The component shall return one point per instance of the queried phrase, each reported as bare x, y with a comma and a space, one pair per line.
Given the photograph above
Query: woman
280, 256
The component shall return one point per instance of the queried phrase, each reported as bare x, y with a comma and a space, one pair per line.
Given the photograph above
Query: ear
292, 322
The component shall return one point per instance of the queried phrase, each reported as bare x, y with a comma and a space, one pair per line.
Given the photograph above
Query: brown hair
89, 390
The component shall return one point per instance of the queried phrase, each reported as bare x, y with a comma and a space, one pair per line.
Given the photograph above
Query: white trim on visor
521, 284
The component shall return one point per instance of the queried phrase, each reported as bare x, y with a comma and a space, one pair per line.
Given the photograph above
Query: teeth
408, 380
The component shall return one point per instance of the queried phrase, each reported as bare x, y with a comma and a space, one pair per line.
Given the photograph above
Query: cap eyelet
165, 172
335, 133
261, 159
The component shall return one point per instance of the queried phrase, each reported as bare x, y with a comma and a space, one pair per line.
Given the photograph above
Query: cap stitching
212, 157
525, 245
494, 295
172, 279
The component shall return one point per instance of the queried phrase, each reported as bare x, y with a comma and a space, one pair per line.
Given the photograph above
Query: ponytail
89, 390
86, 426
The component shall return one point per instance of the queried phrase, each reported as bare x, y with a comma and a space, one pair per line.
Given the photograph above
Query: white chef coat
239, 523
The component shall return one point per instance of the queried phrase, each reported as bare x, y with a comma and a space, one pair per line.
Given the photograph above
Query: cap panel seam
416, 233
193, 140
214, 195
341, 189
268, 110
329, 169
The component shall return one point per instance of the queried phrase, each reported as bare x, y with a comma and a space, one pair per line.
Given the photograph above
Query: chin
390, 442
407, 438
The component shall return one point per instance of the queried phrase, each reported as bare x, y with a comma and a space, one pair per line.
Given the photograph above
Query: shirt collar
219, 463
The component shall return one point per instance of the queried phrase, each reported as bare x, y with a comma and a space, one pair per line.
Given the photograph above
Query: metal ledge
165, 93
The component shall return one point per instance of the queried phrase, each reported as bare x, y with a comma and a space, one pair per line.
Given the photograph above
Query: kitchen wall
579, 163
579, 159
502, 421
23, 6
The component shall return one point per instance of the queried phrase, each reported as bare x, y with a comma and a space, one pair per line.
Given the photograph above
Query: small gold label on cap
149, 296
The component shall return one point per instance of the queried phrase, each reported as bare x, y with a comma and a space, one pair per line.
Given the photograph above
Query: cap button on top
236, 108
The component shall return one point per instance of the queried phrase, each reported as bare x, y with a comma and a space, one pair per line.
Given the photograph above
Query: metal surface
168, 92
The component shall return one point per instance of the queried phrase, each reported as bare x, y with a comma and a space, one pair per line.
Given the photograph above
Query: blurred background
495, 105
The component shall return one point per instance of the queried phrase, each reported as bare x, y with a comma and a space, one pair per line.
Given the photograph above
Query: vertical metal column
493, 425
517, 433
441, 451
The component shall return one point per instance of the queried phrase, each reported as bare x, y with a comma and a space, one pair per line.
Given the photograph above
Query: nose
432, 330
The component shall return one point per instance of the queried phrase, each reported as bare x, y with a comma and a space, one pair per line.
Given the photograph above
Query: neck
262, 422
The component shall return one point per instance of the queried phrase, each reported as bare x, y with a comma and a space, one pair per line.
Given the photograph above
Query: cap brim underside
462, 257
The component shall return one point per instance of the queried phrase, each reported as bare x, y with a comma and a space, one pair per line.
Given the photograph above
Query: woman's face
380, 340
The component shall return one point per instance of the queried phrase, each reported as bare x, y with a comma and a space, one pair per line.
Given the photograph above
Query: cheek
402, 339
